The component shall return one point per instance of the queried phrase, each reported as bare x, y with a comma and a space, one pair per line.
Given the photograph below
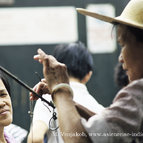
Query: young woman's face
5, 106
131, 55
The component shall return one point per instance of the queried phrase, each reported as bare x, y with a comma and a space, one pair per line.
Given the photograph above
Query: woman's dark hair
5, 81
76, 57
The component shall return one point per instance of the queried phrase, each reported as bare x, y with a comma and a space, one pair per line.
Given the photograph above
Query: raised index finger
41, 53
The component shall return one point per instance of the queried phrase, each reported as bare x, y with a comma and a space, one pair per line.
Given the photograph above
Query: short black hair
5, 81
76, 57
120, 76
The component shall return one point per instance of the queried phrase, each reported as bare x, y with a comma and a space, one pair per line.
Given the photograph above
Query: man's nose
120, 58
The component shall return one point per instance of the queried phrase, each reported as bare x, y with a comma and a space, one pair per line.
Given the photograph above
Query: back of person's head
5, 81
120, 76
76, 57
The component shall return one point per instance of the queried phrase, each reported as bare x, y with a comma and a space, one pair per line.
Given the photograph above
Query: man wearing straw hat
122, 121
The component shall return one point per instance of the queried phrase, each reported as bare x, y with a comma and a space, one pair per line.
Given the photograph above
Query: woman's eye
3, 94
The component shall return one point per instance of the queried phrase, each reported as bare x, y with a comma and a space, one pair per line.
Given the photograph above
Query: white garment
81, 96
18, 133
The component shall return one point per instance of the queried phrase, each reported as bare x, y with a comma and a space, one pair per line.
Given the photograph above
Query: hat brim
108, 19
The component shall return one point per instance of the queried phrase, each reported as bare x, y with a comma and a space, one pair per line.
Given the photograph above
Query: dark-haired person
5, 110
79, 64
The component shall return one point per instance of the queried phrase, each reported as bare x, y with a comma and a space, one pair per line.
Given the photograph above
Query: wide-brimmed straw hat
132, 15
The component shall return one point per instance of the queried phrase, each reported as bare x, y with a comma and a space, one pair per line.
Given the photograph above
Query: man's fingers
32, 96
37, 58
40, 56
40, 88
43, 80
41, 53
44, 58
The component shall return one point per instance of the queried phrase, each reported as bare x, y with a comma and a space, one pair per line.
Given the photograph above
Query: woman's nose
2, 104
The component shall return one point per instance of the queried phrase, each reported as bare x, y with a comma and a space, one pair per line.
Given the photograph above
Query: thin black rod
26, 86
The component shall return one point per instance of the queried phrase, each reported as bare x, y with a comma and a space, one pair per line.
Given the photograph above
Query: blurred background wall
27, 25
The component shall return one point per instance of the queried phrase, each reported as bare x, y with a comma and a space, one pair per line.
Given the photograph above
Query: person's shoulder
133, 90
137, 82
